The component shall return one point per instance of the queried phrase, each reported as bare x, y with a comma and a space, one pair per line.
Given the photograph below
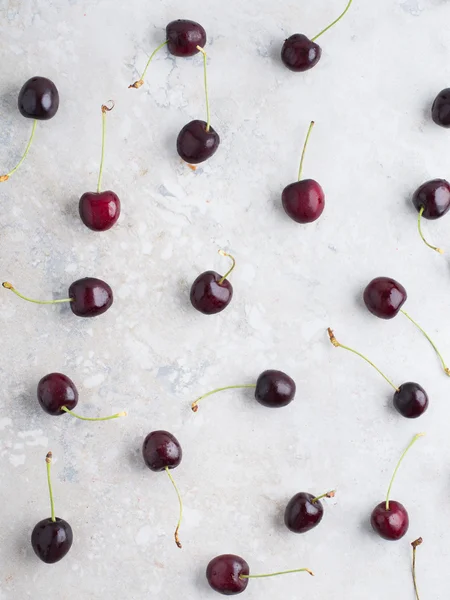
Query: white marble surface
152, 354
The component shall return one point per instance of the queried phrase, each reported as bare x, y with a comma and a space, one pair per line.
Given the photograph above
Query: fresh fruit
432, 201
304, 511
211, 293
440, 111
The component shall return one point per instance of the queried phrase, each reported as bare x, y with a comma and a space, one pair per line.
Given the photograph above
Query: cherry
303, 200
410, 399
432, 201
304, 511
273, 389
440, 111
183, 39
211, 293
228, 574
390, 519
58, 395
51, 538
198, 141
88, 297
100, 210
38, 100
415, 545
162, 451
384, 298
300, 53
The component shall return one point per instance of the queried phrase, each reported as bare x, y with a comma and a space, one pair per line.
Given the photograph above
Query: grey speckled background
152, 354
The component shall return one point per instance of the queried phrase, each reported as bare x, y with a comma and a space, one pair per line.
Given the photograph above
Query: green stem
105, 109
116, 416
333, 23
137, 84
229, 387
414, 440
205, 77
327, 495
419, 225
223, 253
48, 460
177, 539
337, 344
414, 546
275, 574
446, 369
311, 125
8, 175
8, 286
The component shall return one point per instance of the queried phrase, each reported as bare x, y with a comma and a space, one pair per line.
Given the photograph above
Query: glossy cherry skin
274, 389
411, 400
390, 524
302, 514
299, 53
161, 449
434, 197
208, 295
99, 210
90, 297
51, 541
54, 391
223, 574
38, 99
195, 144
440, 111
303, 201
384, 297
184, 36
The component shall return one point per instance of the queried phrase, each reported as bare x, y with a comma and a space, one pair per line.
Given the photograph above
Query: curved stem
137, 84
177, 539
311, 125
419, 225
205, 76
331, 494
105, 109
48, 460
9, 286
116, 416
194, 406
446, 369
8, 175
275, 574
414, 440
223, 253
333, 23
414, 545
335, 343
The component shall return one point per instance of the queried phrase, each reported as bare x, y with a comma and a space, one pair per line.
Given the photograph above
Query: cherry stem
419, 225
205, 75
177, 539
335, 343
48, 460
414, 545
9, 286
275, 574
116, 416
194, 406
105, 109
333, 23
311, 125
8, 175
331, 494
446, 369
223, 253
137, 84
414, 440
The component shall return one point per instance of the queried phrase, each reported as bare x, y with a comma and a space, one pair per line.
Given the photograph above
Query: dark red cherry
195, 144
223, 574
384, 297
52, 540
99, 210
390, 524
411, 400
274, 389
299, 53
161, 449
208, 295
434, 197
303, 200
440, 111
184, 36
302, 514
54, 391
38, 99
90, 297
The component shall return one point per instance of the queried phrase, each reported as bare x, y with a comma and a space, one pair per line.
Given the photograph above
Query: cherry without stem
304, 511
432, 201
211, 293
440, 111
384, 298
